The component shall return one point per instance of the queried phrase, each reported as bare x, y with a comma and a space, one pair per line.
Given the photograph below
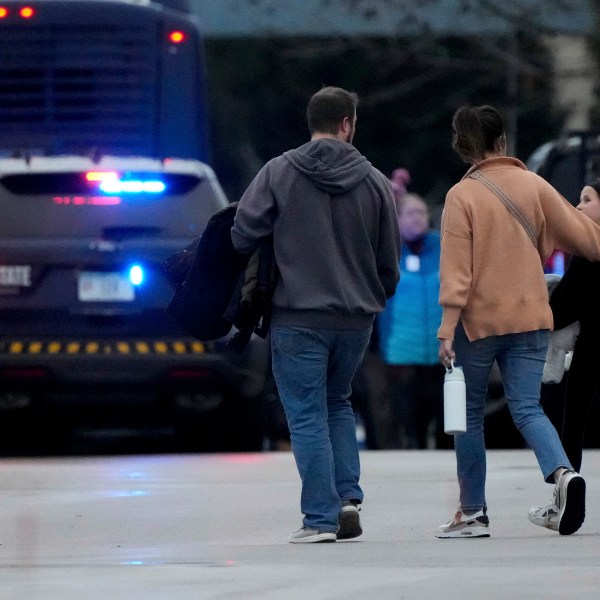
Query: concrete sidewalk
207, 527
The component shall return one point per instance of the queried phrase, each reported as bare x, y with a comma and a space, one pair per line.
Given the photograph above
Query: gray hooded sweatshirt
335, 234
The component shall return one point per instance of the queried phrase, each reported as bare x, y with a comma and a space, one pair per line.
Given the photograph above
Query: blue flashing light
153, 187
136, 275
132, 186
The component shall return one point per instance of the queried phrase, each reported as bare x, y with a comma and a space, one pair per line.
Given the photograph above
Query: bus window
98, 77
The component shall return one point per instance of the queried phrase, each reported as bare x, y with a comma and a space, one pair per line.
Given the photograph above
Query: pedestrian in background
575, 299
336, 245
408, 332
495, 241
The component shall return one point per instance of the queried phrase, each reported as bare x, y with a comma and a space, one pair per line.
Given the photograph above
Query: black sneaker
349, 519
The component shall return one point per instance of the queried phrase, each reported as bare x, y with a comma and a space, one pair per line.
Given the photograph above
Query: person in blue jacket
408, 334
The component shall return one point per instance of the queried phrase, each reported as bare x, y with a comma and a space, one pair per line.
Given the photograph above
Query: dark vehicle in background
86, 86
568, 163
97, 77
83, 329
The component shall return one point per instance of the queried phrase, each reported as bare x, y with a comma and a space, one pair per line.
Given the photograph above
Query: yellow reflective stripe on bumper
123, 348
35, 347
76, 347
92, 347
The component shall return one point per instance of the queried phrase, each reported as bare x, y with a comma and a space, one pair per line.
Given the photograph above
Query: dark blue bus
97, 77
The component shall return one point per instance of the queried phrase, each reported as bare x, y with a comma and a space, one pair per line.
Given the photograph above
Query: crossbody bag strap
512, 208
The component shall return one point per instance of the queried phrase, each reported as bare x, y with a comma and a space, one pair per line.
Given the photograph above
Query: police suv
83, 296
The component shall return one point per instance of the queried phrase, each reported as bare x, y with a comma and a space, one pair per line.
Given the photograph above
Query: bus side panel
183, 122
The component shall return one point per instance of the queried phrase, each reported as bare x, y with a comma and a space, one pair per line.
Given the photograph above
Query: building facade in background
564, 26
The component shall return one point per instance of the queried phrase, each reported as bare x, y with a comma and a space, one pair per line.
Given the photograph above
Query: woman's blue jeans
520, 358
313, 369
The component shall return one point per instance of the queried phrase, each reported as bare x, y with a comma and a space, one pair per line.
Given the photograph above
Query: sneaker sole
349, 525
574, 512
321, 538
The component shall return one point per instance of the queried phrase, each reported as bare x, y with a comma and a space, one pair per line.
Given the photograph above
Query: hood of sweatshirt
335, 167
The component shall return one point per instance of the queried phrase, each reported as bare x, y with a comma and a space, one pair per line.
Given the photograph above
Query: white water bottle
455, 401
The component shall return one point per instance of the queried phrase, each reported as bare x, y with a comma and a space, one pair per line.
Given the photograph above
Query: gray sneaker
349, 519
566, 512
465, 526
306, 535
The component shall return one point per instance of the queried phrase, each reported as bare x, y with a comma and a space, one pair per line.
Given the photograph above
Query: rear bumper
90, 367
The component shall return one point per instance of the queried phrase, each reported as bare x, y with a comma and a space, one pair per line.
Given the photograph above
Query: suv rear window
90, 203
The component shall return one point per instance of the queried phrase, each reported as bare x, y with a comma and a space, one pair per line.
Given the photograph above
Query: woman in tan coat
495, 302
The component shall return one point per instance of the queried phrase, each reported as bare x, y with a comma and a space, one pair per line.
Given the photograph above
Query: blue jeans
520, 358
313, 369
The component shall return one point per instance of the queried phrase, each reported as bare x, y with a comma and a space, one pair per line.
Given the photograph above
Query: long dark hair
476, 131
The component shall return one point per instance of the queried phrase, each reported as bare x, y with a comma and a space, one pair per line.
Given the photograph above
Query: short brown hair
328, 108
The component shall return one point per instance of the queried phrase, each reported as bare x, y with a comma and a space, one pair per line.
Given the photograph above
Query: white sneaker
306, 535
545, 516
465, 526
566, 512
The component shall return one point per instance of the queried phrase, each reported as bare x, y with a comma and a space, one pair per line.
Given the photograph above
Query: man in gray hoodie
336, 245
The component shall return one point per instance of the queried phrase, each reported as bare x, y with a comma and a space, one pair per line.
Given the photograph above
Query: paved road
204, 527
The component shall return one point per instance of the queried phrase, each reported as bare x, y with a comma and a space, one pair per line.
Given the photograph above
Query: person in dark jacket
575, 298
336, 245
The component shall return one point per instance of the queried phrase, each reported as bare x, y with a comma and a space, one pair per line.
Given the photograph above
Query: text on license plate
104, 287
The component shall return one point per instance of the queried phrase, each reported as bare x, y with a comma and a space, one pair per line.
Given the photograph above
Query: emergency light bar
111, 182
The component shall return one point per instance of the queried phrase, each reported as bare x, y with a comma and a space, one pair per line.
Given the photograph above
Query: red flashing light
86, 200
100, 175
27, 12
104, 200
3, 12
177, 37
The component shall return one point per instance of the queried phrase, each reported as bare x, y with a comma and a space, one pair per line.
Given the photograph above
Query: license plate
105, 287
15, 275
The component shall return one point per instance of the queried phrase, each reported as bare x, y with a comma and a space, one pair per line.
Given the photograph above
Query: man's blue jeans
520, 358
313, 369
